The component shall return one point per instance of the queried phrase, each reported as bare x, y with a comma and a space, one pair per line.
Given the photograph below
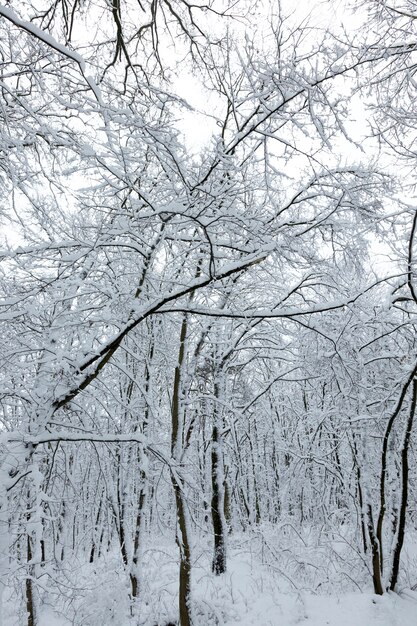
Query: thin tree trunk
404, 493
184, 601
376, 555
217, 504
384, 462
360, 493
143, 490
227, 508
118, 507
30, 603
184, 545
93, 544
142, 499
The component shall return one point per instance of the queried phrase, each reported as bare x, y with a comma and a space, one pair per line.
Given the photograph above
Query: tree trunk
177, 419
227, 502
376, 555
30, 604
142, 499
217, 504
185, 555
404, 493
384, 464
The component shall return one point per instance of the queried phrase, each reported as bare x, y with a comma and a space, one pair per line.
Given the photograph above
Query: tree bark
376, 555
384, 463
30, 603
184, 603
217, 504
184, 600
404, 493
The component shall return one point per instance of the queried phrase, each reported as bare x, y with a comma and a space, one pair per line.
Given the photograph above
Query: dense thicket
196, 338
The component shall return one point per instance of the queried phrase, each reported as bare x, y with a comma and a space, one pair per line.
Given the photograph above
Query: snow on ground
269, 582
254, 600
250, 607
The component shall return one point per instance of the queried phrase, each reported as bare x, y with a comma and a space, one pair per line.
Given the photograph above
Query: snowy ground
312, 583
352, 609
268, 607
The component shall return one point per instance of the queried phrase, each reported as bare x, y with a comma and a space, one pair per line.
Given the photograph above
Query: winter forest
208, 313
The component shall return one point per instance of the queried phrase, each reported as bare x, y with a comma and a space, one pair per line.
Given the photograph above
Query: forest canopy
208, 300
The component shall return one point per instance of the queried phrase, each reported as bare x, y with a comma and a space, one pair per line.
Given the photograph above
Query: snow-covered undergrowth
276, 576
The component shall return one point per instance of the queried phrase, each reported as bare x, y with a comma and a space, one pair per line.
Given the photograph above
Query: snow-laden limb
90, 367
287, 312
52, 43
61, 436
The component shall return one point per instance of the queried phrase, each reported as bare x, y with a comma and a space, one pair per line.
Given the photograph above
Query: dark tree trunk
134, 577
30, 605
185, 556
217, 505
384, 464
404, 493
376, 555
184, 602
